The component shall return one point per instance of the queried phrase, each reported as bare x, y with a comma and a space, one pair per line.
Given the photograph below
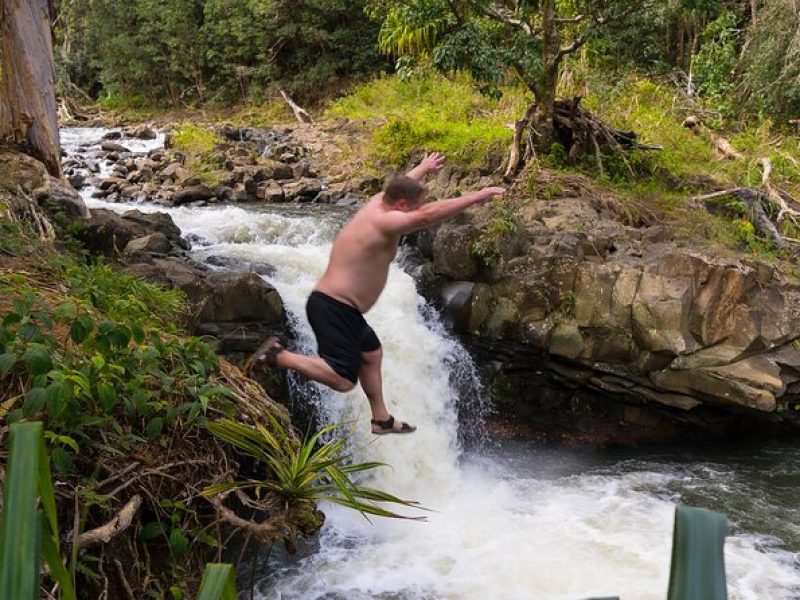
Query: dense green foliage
185, 51
738, 56
97, 367
432, 113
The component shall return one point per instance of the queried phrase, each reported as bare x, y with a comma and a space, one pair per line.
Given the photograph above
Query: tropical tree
27, 96
526, 39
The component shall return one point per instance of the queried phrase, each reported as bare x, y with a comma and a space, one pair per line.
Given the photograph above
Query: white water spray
500, 529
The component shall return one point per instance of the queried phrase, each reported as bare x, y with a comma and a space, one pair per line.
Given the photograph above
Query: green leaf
7, 362
151, 530
65, 311
107, 395
28, 332
37, 360
138, 334
80, 328
154, 428
54, 397
120, 337
178, 543
11, 319
62, 461
19, 545
34, 402
219, 583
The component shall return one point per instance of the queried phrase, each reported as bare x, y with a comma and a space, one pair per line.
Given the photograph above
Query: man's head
404, 193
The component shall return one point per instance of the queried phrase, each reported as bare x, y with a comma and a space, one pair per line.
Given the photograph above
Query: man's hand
429, 164
432, 162
488, 192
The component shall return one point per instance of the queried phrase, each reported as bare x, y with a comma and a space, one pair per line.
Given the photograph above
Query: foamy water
501, 526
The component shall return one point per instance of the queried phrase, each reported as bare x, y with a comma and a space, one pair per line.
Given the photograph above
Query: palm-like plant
299, 476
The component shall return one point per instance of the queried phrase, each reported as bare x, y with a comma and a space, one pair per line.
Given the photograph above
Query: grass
432, 114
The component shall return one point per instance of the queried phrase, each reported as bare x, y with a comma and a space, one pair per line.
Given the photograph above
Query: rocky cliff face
630, 314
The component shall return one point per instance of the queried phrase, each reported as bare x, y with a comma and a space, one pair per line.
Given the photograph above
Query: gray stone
153, 243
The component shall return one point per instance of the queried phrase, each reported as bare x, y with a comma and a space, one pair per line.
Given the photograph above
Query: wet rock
113, 147
452, 255
77, 180
270, 191
112, 135
239, 309
304, 190
241, 265
192, 194
108, 233
141, 132
154, 243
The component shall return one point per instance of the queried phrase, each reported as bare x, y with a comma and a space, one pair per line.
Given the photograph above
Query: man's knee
373, 357
343, 385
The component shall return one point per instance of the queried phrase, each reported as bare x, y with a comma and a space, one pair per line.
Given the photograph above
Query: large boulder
239, 310
109, 233
625, 313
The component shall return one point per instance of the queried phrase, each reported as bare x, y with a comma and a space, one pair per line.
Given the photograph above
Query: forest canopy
739, 56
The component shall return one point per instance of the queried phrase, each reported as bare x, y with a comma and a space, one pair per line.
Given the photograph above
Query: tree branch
597, 21
504, 15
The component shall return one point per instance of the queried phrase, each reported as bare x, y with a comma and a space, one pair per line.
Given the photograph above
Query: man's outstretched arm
396, 222
429, 164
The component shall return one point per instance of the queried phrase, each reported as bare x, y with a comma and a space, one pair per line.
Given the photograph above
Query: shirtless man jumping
349, 350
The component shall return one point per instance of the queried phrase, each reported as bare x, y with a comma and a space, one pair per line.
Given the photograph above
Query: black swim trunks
342, 334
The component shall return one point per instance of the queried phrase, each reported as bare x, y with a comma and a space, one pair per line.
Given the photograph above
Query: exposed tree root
576, 129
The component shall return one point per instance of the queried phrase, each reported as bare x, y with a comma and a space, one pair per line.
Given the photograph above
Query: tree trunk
27, 97
545, 91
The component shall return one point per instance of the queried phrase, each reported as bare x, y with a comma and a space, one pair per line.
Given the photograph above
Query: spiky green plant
312, 471
28, 533
219, 583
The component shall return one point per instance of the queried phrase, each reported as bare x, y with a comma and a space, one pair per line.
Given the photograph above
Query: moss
199, 146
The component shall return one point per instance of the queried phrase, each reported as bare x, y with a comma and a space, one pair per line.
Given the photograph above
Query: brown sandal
265, 354
387, 426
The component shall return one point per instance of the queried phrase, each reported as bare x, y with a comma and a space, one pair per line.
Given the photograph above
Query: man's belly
356, 292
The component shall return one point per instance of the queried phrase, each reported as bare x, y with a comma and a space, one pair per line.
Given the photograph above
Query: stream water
508, 520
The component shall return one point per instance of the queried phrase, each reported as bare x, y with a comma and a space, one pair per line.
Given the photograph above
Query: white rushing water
498, 528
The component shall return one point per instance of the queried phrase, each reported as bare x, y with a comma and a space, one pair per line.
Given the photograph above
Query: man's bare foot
265, 355
391, 425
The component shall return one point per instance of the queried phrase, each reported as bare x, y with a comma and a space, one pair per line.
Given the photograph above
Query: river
508, 520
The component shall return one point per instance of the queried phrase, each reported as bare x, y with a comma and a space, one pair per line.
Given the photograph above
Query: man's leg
372, 383
314, 368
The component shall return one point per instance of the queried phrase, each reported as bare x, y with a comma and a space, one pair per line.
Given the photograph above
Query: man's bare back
360, 258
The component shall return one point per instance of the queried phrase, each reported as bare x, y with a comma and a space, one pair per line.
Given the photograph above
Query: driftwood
119, 523
300, 113
722, 146
756, 199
